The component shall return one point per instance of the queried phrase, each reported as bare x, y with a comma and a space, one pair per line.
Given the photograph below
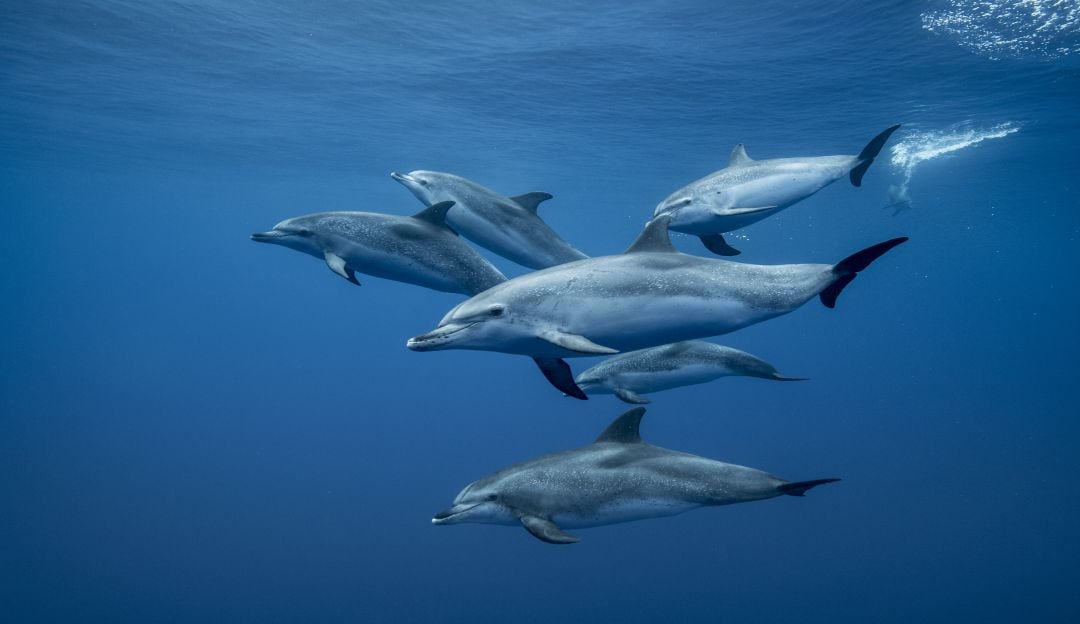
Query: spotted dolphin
419, 249
617, 478
748, 190
648, 296
508, 226
630, 375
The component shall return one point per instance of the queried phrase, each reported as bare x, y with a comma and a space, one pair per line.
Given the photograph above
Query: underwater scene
475, 311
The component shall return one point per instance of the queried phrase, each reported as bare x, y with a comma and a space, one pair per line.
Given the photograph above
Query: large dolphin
417, 250
618, 478
630, 375
748, 190
509, 226
649, 296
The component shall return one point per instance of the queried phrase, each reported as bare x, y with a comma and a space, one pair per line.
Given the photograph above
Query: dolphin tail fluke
558, 373
869, 153
716, 244
849, 267
799, 488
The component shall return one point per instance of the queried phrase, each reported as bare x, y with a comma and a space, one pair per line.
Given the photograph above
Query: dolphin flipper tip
799, 488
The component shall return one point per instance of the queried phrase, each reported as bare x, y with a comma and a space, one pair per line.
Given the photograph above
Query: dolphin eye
491, 497
496, 311
304, 232
423, 182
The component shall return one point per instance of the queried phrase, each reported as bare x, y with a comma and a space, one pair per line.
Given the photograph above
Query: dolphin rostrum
618, 478
748, 190
419, 249
509, 226
649, 296
630, 375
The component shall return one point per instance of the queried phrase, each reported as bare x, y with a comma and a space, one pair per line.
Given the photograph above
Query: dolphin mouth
436, 339
404, 178
268, 237
446, 515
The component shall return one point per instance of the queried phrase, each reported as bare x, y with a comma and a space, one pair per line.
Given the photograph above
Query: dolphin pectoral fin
531, 201
558, 374
629, 396
575, 342
337, 265
736, 212
716, 244
868, 154
547, 531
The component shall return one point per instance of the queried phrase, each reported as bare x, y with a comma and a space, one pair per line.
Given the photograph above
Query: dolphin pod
648, 296
649, 307
617, 478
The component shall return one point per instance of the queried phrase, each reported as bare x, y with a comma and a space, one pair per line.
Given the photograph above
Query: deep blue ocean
197, 428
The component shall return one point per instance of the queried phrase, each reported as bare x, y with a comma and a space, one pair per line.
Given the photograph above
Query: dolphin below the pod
748, 190
508, 226
419, 250
630, 375
617, 478
648, 296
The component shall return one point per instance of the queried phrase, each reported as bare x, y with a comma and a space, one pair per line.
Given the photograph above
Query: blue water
197, 428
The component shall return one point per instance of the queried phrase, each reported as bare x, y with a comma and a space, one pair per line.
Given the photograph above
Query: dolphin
748, 190
508, 226
617, 478
419, 250
629, 375
648, 296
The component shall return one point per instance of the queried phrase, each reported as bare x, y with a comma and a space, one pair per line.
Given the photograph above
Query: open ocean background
197, 428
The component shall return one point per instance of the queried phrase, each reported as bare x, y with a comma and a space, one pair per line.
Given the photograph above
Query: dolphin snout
266, 237
435, 339
401, 177
444, 516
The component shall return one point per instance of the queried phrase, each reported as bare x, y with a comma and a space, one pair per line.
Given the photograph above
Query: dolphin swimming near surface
508, 226
419, 249
648, 296
617, 478
748, 190
630, 375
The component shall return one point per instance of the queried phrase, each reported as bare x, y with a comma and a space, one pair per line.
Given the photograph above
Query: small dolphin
649, 296
629, 375
618, 478
748, 190
509, 226
419, 249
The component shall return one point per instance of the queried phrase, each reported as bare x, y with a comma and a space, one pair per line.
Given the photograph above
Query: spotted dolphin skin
618, 478
630, 375
748, 190
419, 249
508, 226
649, 296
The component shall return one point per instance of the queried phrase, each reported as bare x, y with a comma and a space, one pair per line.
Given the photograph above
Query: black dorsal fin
531, 201
435, 213
654, 238
624, 429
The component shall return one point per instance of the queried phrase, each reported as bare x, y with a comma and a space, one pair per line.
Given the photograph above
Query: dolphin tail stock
799, 488
559, 374
849, 267
869, 153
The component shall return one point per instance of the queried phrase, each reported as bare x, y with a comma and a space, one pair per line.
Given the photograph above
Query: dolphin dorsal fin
624, 429
435, 213
654, 237
531, 201
739, 156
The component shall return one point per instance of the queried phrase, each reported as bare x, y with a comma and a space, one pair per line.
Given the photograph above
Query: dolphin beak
404, 178
267, 237
447, 516
439, 338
